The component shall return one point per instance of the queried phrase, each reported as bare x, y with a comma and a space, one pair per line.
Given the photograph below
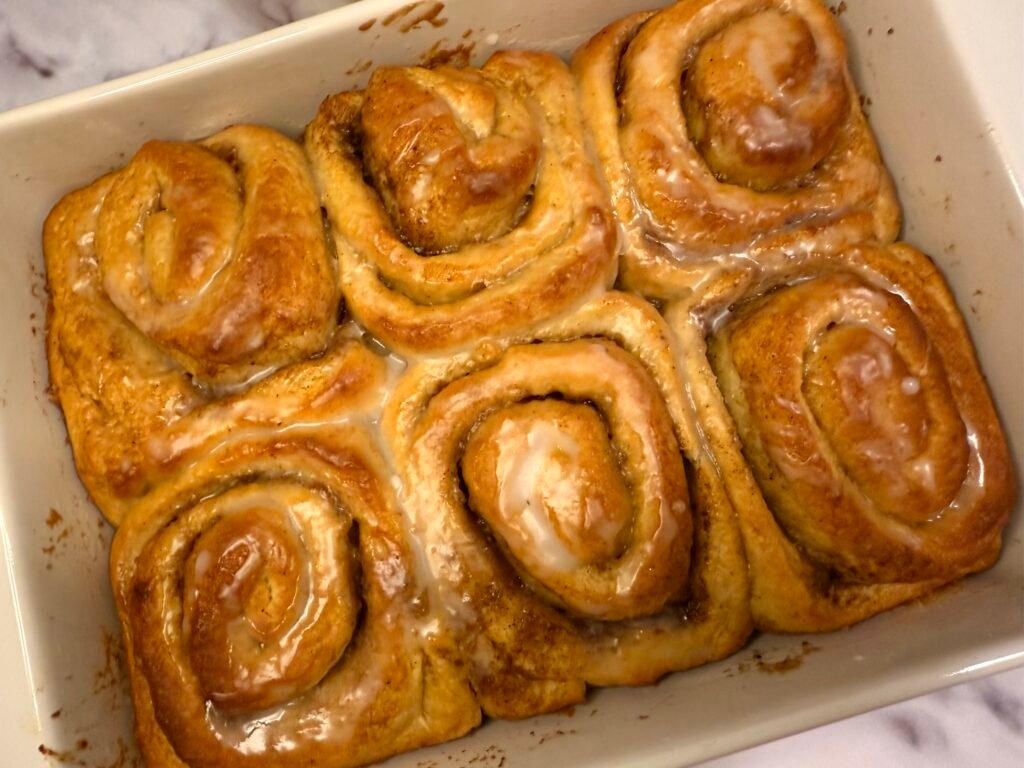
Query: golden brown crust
443, 189
736, 193
532, 236
854, 431
216, 252
113, 385
536, 565
299, 631
172, 279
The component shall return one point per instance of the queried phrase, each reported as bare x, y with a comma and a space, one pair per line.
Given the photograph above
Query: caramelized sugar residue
60, 529
76, 756
359, 67
394, 16
431, 14
439, 54
489, 757
787, 664
773, 667
65, 756
111, 680
558, 732
112, 672
59, 532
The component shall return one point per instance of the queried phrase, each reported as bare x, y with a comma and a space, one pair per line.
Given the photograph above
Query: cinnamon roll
855, 434
463, 202
731, 135
270, 602
191, 271
576, 531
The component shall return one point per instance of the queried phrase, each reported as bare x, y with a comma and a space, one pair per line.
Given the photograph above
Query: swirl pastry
867, 464
576, 532
730, 134
487, 481
269, 599
462, 202
194, 269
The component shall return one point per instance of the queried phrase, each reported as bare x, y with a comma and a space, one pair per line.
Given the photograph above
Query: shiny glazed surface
575, 538
867, 460
731, 138
463, 203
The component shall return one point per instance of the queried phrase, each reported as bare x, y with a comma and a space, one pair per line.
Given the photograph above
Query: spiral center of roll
191, 212
268, 602
452, 154
543, 475
880, 419
216, 252
763, 103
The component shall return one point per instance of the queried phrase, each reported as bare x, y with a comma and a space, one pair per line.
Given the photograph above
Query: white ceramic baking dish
927, 95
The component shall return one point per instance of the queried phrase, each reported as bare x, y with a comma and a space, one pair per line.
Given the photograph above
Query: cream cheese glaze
334, 551
326, 704
512, 422
533, 478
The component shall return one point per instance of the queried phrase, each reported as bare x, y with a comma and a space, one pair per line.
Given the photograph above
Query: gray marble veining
48, 47
975, 724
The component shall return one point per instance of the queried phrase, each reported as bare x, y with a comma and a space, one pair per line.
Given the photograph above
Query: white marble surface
49, 47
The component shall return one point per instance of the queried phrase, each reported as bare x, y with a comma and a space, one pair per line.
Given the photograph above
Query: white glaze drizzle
522, 473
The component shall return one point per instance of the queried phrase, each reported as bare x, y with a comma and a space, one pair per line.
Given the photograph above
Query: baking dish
66, 696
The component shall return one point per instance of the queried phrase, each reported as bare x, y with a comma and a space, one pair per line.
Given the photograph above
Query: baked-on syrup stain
125, 757
402, 12
438, 55
558, 732
430, 16
787, 664
359, 67
112, 673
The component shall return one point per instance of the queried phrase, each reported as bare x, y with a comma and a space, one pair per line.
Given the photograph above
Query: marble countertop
48, 47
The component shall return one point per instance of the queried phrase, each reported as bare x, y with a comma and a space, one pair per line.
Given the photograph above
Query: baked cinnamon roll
854, 431
191, 271
731, 135
269, 597
463, 202
576, 531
